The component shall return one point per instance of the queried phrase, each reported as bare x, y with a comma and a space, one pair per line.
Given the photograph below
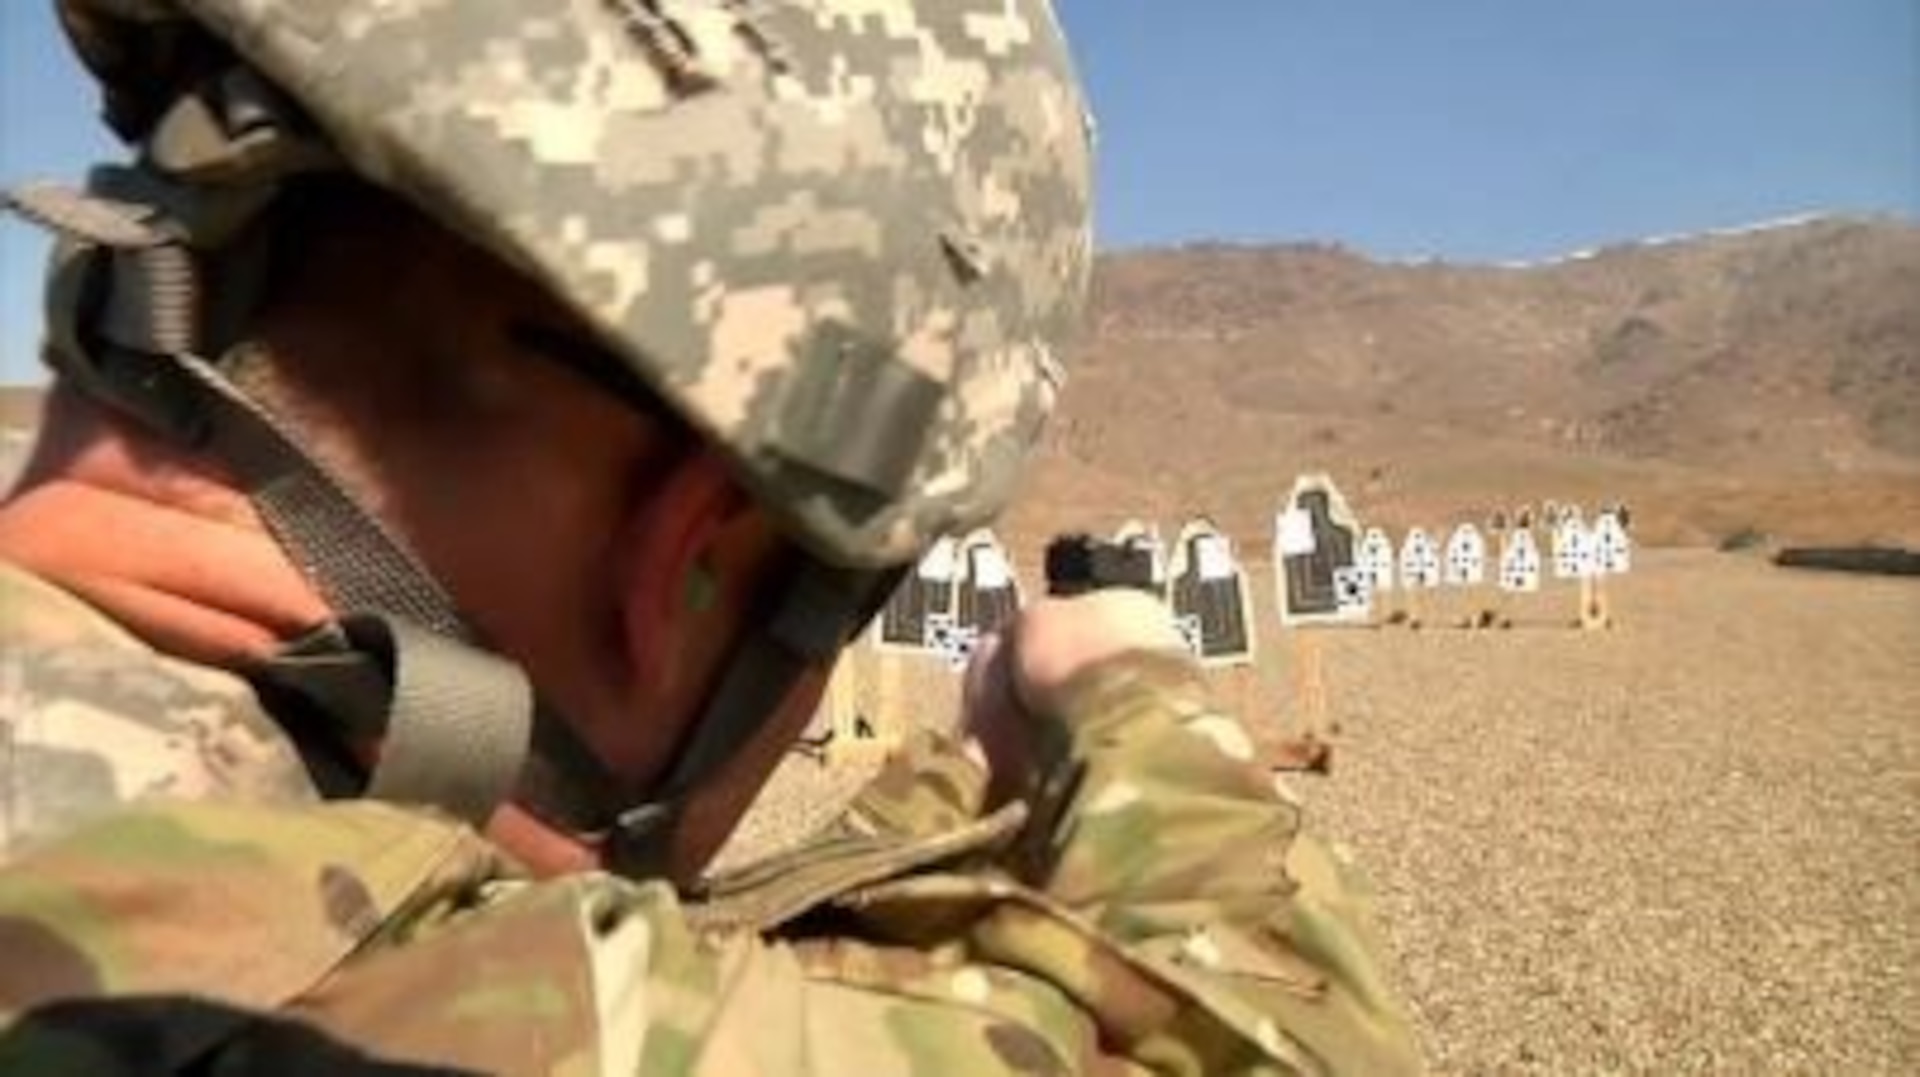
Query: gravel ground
1687, 845
803, 795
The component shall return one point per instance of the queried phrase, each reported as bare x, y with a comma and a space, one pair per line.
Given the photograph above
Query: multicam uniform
174, 895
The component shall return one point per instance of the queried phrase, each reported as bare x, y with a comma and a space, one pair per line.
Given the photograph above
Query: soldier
477, 428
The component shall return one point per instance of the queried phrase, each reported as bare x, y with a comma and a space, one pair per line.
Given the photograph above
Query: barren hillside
1769, 378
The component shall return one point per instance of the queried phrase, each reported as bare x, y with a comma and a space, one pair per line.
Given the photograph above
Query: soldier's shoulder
91, 718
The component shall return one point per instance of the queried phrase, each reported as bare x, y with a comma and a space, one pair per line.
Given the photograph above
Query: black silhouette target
1209, 596
924, 599
986, 595
1309, 582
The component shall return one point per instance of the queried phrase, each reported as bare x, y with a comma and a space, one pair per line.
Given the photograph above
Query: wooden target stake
1495, 610
1313, 688
884, 707
843, 710
1594, 614
1311, 749
861, 710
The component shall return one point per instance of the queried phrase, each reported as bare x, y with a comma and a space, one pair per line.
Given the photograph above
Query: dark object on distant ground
1877, 560
1077, 564
815, 747
1303, 755
1746, 538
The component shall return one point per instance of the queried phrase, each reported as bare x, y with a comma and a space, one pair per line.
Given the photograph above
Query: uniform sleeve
599, 976
1160, 912
350, 935
1158, 825
91, 720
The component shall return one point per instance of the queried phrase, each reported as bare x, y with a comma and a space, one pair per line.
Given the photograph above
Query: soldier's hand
1025, 670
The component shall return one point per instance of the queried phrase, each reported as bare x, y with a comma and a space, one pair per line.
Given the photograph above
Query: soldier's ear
665, 568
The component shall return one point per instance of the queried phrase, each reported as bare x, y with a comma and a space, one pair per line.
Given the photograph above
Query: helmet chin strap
446, 714
460, 727
822, 609
124, 310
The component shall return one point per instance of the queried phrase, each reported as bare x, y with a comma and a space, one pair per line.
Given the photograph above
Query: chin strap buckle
639, 844
453, 720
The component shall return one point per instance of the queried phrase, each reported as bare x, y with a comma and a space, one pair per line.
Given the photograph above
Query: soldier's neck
158, 540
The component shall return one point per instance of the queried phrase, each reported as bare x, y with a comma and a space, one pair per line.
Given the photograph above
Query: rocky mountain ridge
1765, 378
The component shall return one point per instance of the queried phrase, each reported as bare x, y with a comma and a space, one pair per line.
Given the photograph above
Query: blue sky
1473, 130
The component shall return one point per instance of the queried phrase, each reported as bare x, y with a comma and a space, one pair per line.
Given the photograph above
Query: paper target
924, 599
1419, 561
987, 593
1520, 563
1209, 591
1612, 550
1466, 562
1315, 537
1377, 557
1572, 551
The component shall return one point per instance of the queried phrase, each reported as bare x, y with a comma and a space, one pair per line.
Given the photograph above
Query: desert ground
1683, 845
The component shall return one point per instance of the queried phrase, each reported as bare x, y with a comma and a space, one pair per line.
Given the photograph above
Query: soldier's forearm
1170, 819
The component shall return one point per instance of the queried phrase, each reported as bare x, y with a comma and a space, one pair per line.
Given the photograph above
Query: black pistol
1077, 564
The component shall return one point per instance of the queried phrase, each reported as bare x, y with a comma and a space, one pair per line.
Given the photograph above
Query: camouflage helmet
846, 240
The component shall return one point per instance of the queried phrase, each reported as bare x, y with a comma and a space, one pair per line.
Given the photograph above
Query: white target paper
1213, 559
1293, 534
1520, 563
1572, 551
951, 642
1612, 550
1376, 556
990, 569
1466, 557
1353, 590
941, 562
1419, 561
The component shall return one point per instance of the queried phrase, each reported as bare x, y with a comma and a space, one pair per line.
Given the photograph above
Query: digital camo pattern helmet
846, 239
